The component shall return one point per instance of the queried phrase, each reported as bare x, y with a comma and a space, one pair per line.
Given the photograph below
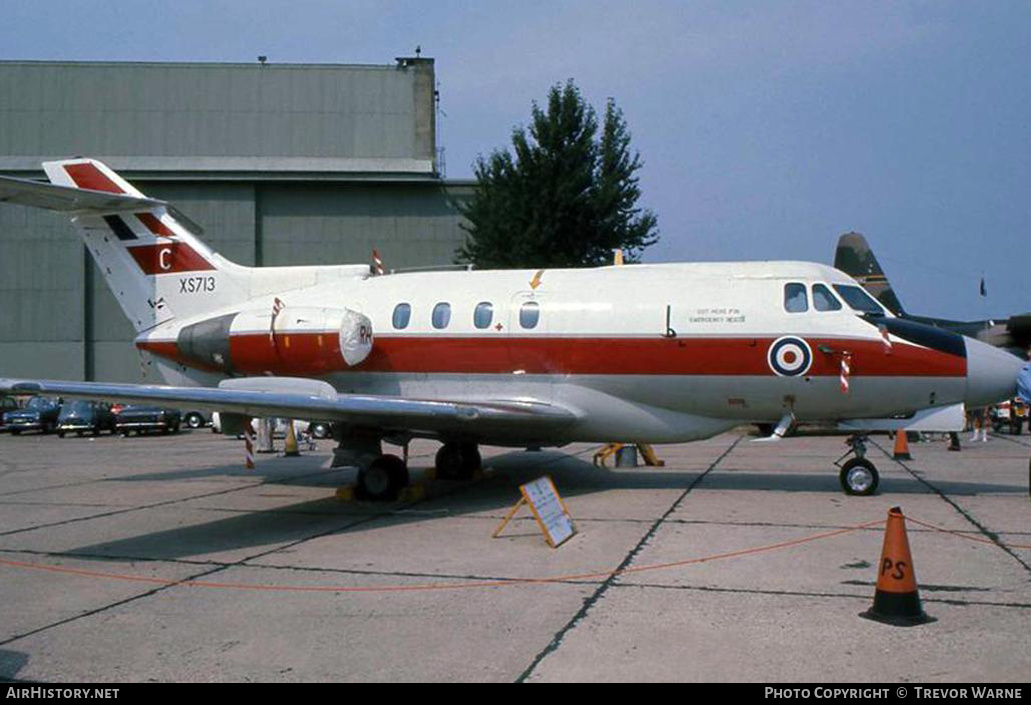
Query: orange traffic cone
896, 600
291, 450
902, 446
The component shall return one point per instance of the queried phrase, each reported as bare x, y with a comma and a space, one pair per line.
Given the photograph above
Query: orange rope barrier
961, 535
506, 582
503, 582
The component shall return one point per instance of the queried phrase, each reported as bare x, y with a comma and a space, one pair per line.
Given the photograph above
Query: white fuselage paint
618, 308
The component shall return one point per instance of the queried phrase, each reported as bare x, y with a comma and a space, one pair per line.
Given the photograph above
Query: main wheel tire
859, 477
383, 480
448, 461
60, 434
194, 420
471, 460
457, 461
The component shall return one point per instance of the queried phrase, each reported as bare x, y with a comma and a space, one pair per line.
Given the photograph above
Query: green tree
564, 196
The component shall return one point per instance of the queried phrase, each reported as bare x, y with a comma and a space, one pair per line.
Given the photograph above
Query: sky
766, 129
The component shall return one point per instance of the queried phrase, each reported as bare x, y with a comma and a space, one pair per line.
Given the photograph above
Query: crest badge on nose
790, 356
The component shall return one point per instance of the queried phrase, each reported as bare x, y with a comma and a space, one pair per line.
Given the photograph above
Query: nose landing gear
858, 476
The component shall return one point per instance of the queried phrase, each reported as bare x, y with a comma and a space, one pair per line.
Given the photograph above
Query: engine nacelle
296, 340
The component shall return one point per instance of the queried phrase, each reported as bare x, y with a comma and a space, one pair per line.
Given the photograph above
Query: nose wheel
858, 475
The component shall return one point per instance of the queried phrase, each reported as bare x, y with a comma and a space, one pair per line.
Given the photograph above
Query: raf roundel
790, 356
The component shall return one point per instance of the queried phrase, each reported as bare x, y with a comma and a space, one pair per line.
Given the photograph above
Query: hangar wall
280, 164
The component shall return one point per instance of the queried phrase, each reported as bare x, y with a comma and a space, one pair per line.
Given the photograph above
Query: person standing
979, 420
1024, 385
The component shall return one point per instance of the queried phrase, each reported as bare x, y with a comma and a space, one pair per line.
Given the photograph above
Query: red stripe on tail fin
154, 225
88, 176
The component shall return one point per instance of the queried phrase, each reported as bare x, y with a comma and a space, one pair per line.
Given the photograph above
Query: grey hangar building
280, 164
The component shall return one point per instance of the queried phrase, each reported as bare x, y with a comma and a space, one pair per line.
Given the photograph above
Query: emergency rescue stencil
790, 356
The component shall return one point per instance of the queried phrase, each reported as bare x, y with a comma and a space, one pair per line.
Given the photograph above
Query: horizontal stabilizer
68, 199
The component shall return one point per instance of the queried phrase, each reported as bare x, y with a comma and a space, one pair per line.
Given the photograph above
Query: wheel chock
345, 493
412, 493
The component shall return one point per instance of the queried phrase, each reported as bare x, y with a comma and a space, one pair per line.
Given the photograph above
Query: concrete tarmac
162, 559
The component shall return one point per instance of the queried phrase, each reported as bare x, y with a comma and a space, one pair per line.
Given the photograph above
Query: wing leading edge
316, 400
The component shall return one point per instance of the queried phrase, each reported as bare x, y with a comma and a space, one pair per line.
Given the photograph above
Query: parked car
1009, 414
142, 419
6, 404
40, 414
196, 419
79, 417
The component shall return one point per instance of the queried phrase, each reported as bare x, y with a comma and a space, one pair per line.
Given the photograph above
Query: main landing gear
458, 461
382, 476
858, 476
383, 479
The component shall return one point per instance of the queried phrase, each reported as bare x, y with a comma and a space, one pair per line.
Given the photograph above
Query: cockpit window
824, 300
858, 300
796, 300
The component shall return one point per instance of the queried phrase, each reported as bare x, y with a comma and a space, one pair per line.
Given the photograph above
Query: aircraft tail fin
151, 255
154, 264
855, 258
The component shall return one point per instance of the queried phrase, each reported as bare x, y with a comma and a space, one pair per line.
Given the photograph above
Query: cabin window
483, 314
796, 300
529, 314
824, 300
858, 299
441, 315
402, 314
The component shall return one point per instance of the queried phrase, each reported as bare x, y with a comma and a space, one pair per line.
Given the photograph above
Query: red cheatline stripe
89, 176
301, 353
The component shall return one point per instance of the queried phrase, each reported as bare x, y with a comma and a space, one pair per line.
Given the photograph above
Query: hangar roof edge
203, 64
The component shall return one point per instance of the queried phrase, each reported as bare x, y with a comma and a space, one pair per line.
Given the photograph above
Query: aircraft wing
38, 194
318, 401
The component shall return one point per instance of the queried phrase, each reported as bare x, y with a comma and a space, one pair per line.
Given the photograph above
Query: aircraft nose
991, 374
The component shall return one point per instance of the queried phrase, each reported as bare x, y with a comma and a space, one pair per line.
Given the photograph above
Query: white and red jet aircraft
643, 353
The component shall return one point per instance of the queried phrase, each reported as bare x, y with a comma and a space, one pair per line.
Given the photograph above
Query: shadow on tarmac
11, 662
273, 528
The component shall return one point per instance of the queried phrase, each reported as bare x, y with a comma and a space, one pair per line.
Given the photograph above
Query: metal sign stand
551, 513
